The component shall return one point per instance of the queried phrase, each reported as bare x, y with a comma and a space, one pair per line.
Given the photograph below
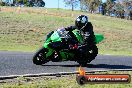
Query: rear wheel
83, 62
93, 54
39, 57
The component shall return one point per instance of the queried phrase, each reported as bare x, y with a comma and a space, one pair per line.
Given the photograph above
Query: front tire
40, 56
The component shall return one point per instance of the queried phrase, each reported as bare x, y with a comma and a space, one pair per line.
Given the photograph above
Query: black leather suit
89, 38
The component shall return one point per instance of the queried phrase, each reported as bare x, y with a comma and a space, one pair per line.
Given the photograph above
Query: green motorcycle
60, 46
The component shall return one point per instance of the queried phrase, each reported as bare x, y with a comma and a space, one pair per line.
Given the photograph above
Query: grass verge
59, 82
26, 31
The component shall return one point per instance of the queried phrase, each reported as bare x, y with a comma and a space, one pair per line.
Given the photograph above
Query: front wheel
39, 57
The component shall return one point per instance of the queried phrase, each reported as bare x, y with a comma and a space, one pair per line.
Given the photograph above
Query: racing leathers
89, 39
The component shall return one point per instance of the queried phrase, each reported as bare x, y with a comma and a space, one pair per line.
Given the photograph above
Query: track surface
20, 63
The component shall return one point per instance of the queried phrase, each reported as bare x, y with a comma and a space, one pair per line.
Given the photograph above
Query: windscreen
63, 33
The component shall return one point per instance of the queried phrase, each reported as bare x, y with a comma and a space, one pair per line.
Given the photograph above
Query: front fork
50, 50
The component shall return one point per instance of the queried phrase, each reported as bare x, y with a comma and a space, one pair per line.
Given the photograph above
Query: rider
86, 29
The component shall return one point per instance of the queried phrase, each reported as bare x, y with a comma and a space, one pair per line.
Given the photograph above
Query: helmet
81, 21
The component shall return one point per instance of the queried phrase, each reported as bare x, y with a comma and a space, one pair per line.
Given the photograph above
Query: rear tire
94, 54
40, 56
82, 63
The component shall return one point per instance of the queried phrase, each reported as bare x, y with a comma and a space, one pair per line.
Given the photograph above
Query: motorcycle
60, 46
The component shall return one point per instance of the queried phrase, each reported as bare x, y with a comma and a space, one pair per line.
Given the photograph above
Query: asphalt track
20, 63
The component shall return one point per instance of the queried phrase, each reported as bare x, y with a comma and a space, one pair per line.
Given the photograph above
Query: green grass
27, 31
60, 82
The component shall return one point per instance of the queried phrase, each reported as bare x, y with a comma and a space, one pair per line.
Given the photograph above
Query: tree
127, 4
90, 5
72, 3
0, 2
83, 5
108, 7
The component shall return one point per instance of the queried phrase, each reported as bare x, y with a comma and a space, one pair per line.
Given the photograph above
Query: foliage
71, 3
31, 3
90, 5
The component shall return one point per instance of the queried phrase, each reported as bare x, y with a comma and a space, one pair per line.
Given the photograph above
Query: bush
2, 3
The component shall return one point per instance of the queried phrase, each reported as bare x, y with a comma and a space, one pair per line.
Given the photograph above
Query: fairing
56, 36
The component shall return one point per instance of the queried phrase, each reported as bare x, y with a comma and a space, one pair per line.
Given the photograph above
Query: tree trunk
72, 7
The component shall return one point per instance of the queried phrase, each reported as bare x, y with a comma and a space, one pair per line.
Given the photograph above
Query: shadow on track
76, 65
106, 66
